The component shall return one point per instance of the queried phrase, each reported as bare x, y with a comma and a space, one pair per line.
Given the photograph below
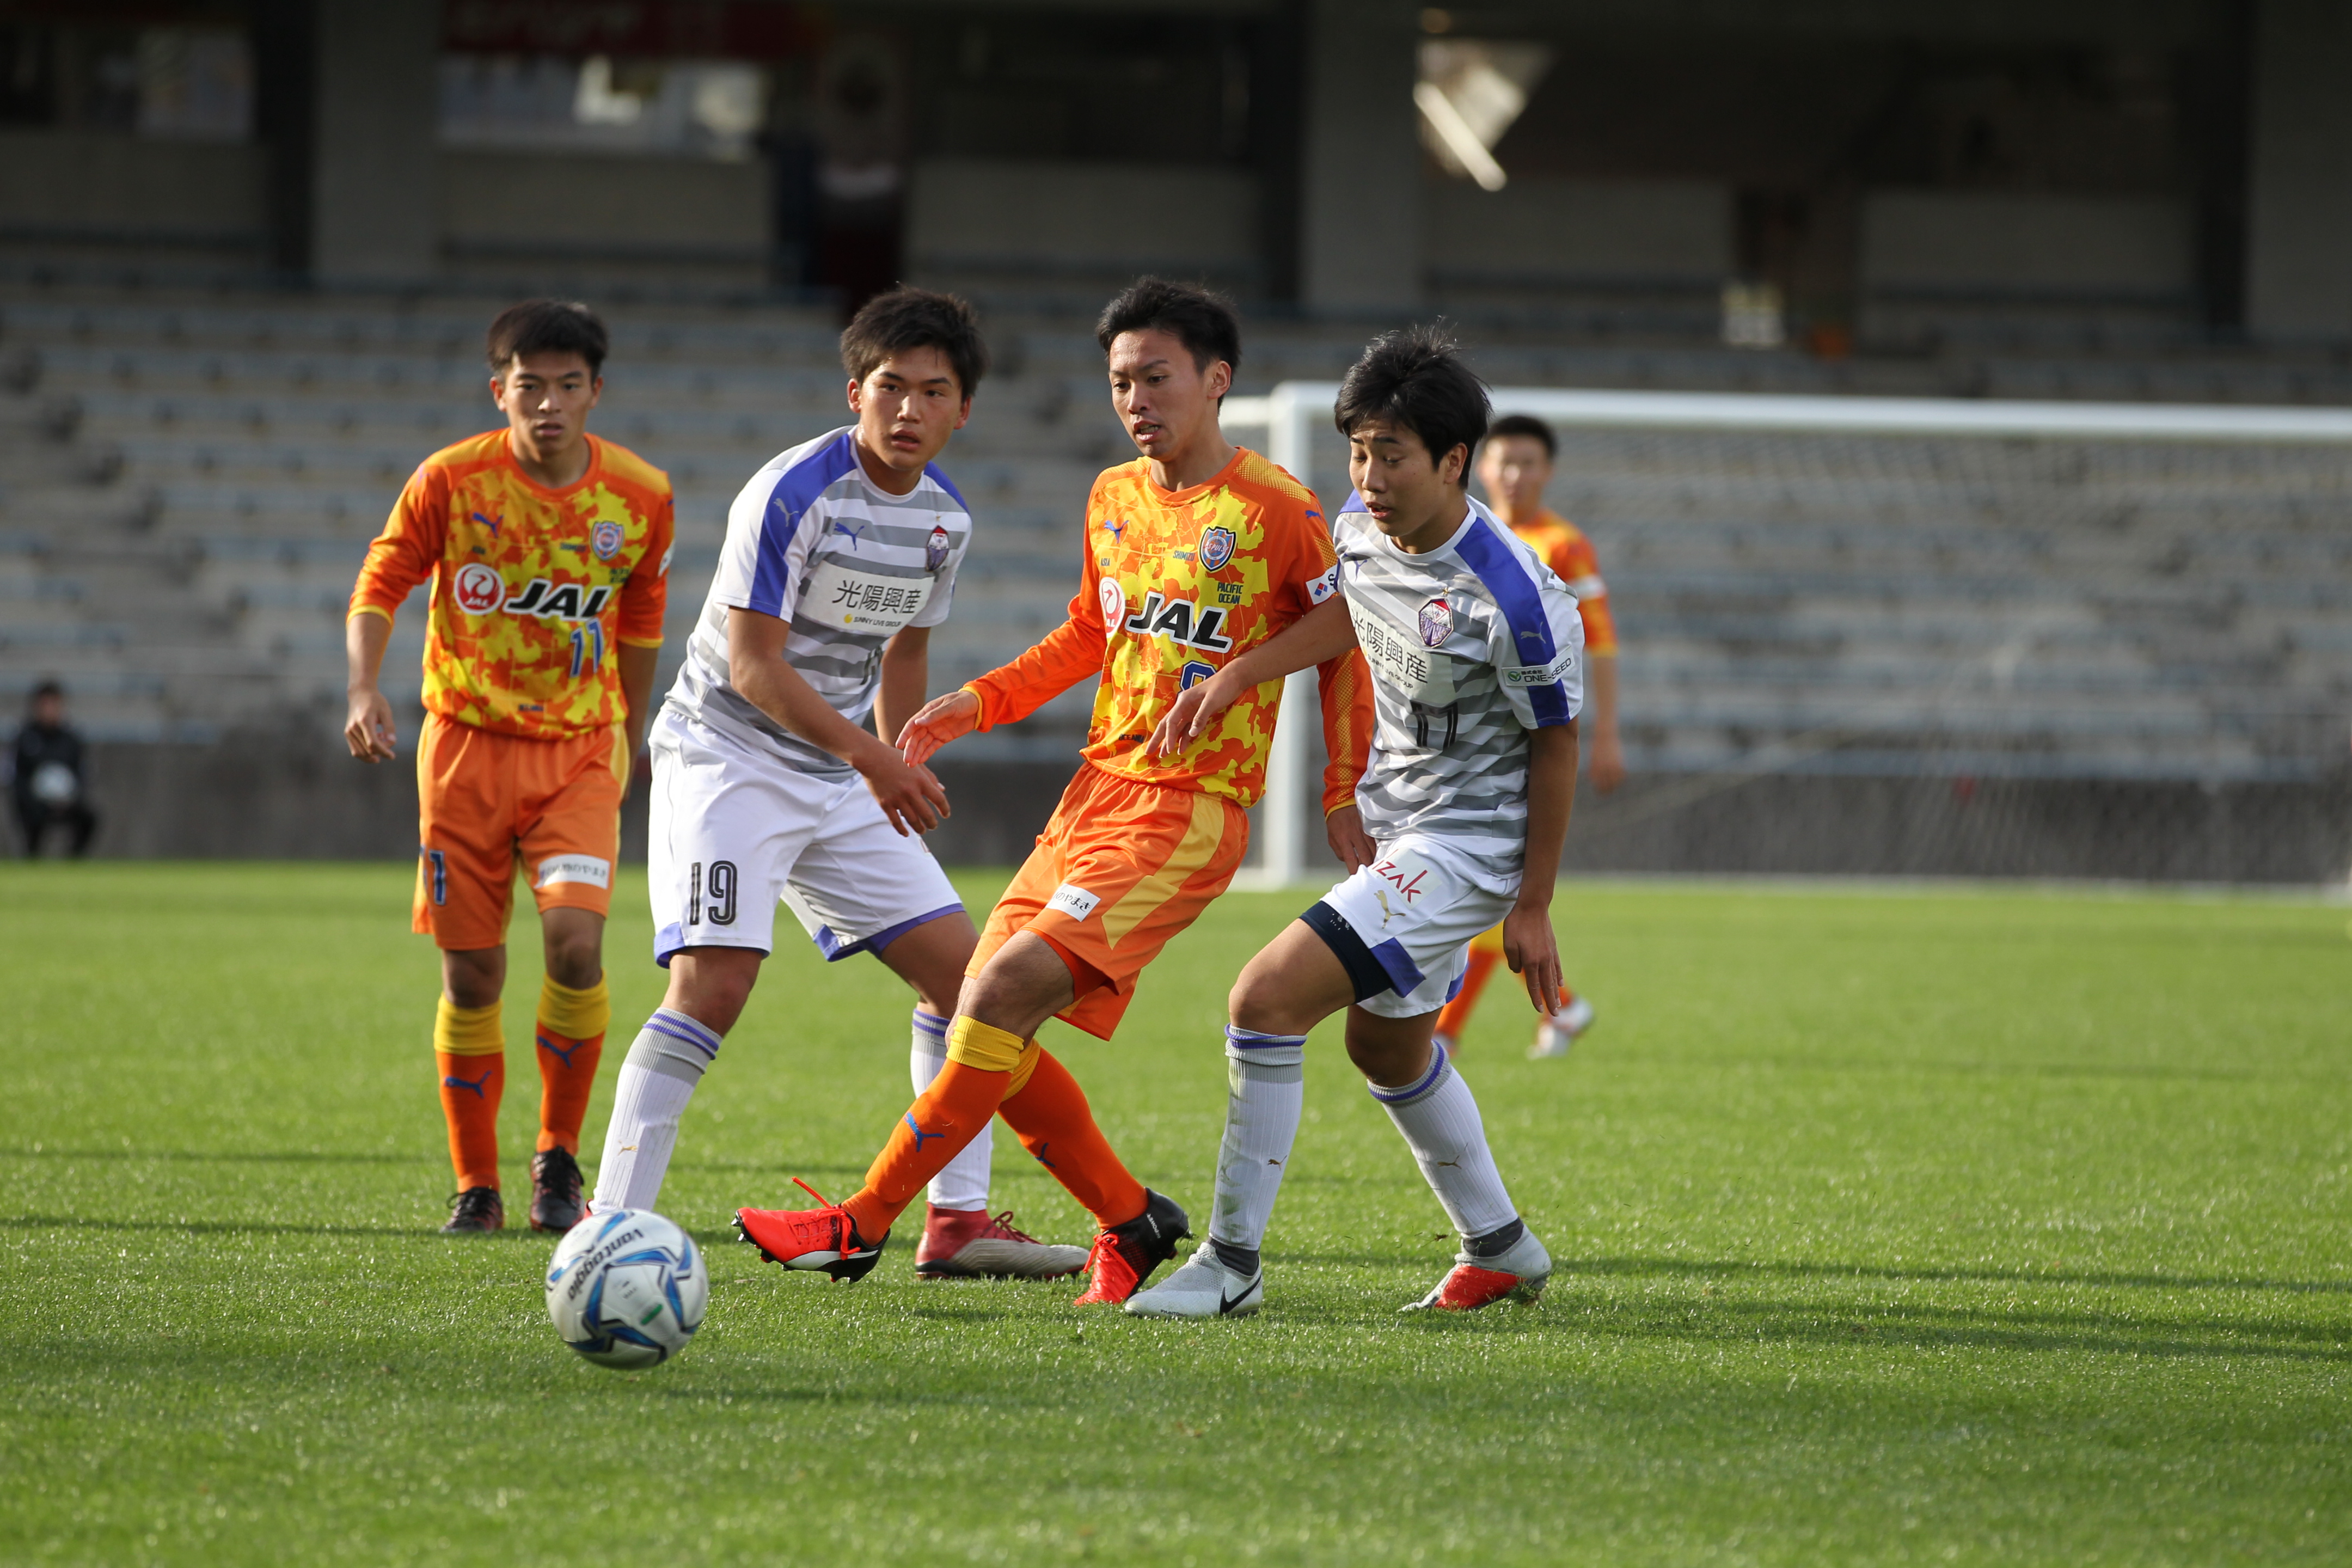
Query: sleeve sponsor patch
1073, 900
1550, 674
1321, 588
1591, 587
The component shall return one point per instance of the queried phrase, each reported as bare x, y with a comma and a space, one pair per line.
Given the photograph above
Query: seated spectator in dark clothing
52, 787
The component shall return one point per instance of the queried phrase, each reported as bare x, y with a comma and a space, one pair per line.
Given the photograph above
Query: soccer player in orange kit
549, 553
1515, 466
1204, 564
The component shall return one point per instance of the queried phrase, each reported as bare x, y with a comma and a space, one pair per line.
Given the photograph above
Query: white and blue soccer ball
626, 1288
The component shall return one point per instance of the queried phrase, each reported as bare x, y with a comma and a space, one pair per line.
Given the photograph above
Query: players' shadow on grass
261, 1227
228, 1157
1932, 1328
1733, 1268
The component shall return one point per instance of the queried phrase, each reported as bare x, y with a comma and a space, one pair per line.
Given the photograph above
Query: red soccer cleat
1124, 1255
823, 1238
972, 1243
1517, 1273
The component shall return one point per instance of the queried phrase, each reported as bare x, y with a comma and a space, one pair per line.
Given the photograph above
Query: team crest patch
935, 549
1216, 548
1436, 622
1113, 603
604, 539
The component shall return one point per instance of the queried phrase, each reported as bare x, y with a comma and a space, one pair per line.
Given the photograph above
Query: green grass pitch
1904, 1227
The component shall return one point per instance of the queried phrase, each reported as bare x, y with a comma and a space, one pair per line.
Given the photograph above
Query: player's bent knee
711, 984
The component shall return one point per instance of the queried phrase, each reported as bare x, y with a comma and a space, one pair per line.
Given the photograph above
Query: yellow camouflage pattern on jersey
1175, 585
534, 589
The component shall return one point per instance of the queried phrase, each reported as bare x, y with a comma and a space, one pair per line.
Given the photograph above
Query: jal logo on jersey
1216, 548
935, 549
1436, 622
479, 589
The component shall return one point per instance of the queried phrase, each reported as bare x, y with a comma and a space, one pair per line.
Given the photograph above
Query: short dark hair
1526, 424
548, 327
49, 687
907, 317
1415, 377
1202, 320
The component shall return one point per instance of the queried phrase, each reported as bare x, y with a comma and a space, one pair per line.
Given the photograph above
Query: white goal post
1291, 414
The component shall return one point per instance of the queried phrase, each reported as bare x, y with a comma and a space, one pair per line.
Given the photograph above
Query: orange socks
1456, 1016
571, 1033
468, 1048
1056, 1127
943, 1119
991, 1070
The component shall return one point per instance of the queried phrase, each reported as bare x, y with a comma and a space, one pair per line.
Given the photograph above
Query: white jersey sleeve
1535, 636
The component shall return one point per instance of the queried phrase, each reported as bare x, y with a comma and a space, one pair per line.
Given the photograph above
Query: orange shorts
1121, 868
487, 804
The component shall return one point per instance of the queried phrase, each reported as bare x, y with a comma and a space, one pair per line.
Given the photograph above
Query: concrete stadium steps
186, 486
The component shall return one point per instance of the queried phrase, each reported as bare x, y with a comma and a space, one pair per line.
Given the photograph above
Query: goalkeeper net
1921, 636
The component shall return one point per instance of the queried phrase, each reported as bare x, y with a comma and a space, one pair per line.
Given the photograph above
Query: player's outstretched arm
1322, 633
368, 727
937, 722
1529, 944
910, 795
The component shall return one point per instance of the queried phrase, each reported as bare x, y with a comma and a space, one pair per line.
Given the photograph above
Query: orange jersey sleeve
1345, 686
410, 548
1070, 653
1570, 554
645, 597
1174, 583
532, 589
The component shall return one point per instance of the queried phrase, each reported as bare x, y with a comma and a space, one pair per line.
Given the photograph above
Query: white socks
1266, 1092
665, 1063
963, 1185
1440, 1123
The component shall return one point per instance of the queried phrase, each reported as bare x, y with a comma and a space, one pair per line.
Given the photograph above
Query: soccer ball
626, 1288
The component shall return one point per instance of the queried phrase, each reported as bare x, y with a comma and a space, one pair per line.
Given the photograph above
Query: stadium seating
186, 485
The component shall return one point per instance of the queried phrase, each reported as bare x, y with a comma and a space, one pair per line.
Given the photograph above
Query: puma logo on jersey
1180, 622
558, 601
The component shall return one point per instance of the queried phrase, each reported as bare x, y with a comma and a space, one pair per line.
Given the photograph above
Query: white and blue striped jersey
1471, 646
812, 541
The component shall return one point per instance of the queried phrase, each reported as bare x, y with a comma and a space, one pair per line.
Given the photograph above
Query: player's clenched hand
368, 730
1533, 953
937, 722
1188, 716
909, 794
1350, 842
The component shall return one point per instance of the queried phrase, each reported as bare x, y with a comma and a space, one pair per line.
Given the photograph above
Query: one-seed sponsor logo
1436, 622
935, 549
479, 589
604, 539
1216, 548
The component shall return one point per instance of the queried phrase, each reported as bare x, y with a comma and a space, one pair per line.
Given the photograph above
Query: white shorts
735, 830
1414, 910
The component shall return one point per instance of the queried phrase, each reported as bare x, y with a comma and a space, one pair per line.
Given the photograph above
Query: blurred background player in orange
1515, 466
548, 550
1204, 565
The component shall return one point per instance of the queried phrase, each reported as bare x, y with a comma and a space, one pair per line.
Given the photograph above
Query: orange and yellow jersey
1175, 584
1564, 549
532, 588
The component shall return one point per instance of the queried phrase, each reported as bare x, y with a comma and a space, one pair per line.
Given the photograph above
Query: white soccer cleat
1517, 1274
1203, 1288
1556, 1032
